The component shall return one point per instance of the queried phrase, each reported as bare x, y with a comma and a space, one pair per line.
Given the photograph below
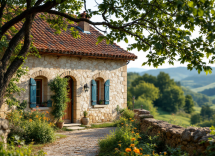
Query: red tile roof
64, 44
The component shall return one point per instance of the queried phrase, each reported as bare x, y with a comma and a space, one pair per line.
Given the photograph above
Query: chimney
84, 25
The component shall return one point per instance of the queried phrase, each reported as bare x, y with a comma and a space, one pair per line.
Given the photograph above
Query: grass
197, 109
103, 125
173, 119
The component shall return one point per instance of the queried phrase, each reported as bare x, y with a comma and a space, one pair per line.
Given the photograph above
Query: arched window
100, 91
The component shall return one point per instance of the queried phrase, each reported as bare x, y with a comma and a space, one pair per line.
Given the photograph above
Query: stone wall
4, 130
189, 139
82, 70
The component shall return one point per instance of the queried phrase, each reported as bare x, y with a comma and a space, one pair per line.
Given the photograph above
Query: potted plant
60, 123
85, 120
100, 102
59, 87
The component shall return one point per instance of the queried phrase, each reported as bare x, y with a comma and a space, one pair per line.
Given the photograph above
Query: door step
73, 126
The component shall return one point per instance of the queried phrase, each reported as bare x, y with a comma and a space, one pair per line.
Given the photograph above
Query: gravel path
78, 143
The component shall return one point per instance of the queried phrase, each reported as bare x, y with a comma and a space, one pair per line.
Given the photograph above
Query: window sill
99, 106
42, 108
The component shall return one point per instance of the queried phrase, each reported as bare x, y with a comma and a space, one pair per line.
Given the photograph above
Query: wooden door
68, 117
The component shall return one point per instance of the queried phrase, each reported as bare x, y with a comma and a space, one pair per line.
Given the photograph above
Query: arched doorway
69, 112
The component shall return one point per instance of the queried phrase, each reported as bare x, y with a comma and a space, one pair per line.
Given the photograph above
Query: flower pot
85, 121
60, 124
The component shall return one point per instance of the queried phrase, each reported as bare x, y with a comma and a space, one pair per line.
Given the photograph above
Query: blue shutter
33, 86
93, 93
106, 92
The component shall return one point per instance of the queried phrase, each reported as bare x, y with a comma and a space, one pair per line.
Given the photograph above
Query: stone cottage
102, 67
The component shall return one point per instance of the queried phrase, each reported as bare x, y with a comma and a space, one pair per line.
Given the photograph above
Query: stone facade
82, 71
192, 139
4, 130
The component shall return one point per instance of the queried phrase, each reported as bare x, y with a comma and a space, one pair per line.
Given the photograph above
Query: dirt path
79, 143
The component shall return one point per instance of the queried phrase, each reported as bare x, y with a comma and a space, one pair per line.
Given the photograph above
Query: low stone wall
189, 139
4, 130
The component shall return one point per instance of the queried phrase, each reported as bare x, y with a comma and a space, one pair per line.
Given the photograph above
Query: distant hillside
177, 73
136, 70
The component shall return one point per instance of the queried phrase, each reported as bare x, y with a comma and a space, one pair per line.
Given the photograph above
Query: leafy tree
195, 118
130, 77
146, 90
189, 104
146, 77
164, 81
169, 25
206, 112
146, 104
172, 99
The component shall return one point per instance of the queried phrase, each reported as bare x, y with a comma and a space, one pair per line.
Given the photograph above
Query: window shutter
33, 86
49, 103
93, 93
106, 92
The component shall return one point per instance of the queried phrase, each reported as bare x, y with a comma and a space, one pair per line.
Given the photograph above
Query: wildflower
164, 153
19, 146
126, 124
37, 106
44, 118
137, 133
132, 132
141, 149
19, 116
132, 145
116, 149
36, 116
137, 151
128, 149
153, 152
122, 123
30, 120
132, 120
132, 139
139, 137
47, 112
119, 145
135, 128
34, 109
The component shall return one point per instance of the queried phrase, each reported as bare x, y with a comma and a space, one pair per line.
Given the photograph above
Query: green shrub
39, 132
128, 114
60, 97
147, 104
22, 105
32, 125
195, 118
11, 150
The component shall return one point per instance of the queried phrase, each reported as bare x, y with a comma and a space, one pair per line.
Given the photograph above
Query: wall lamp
86, 87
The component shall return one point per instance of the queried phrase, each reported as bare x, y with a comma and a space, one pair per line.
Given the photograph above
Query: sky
91, 4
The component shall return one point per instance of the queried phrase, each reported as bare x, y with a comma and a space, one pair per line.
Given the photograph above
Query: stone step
71, 124
75, 128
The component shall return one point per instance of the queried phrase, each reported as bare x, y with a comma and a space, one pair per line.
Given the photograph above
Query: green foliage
60, 97
130, 77
12, 150
22, 106
207, 112
127, 114
199, 98
195, 119
210, 151
85, 114
103, 125
30, 126
40, 132
145, 90
172, 99
146, 104
189, 104
14, 89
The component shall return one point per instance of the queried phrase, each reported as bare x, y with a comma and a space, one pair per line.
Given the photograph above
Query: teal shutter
106, 92
93, 93
33, 86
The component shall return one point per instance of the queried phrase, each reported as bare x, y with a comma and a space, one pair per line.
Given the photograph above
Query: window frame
41, 92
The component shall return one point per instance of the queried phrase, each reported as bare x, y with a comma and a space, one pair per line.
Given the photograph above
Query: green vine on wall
60, 97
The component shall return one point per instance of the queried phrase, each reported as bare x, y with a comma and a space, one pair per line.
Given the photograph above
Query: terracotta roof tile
47, 42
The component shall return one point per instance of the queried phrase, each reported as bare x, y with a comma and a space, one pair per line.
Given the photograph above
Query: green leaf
126, 40
200, 12
212, 11
190, 4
